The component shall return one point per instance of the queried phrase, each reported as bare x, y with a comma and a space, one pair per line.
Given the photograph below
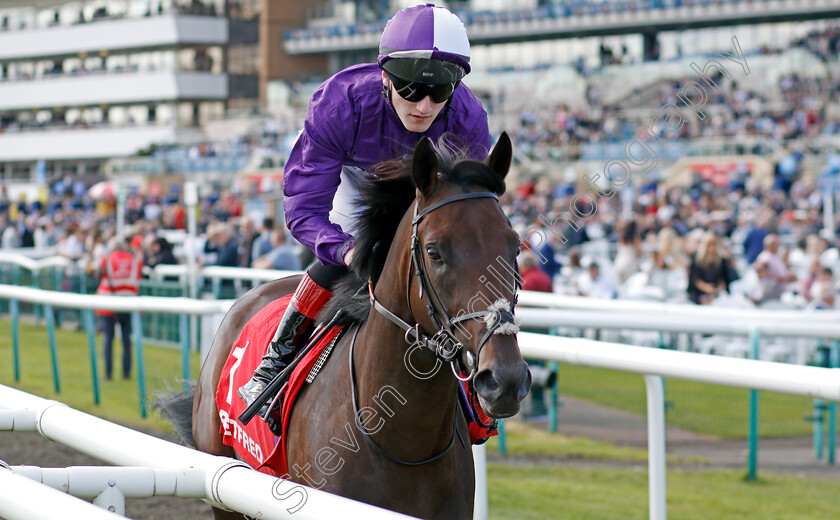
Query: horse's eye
433, 254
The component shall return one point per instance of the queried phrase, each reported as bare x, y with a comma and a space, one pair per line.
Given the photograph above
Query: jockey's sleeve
311, 178
478, 140
468, 120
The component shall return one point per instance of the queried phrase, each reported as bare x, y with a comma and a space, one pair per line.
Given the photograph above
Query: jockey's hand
348, 256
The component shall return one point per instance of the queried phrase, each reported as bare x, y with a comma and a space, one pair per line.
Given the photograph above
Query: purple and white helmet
425, 44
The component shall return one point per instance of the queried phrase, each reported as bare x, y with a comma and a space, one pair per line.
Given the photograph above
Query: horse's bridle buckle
415, 332
446, 347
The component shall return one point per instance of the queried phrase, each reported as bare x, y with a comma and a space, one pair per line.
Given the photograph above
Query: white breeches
346, 200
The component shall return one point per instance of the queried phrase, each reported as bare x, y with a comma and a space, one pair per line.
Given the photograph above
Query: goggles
413, 91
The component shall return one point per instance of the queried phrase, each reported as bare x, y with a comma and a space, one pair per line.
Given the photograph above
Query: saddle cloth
255, 442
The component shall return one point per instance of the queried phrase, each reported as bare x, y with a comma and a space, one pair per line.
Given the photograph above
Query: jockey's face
415, 116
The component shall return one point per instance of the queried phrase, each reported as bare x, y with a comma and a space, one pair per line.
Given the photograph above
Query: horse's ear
424, 168
501, 156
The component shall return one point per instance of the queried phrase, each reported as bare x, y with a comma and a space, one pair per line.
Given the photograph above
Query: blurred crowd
80, 228
793, 108
734, 245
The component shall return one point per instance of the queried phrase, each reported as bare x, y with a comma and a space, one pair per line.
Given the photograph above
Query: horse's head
463, 275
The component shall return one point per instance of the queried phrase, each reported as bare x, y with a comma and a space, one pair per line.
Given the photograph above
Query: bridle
499, 319
499, 316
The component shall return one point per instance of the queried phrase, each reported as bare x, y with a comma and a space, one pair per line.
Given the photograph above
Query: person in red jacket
533, 278
120, 271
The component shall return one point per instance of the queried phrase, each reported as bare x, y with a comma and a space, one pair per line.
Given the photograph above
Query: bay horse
434, 284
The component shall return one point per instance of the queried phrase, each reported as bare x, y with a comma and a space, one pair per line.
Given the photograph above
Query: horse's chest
328, 450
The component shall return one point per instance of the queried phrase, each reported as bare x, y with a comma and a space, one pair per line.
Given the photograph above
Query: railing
225, 483
44, 270
184, 307
621, 307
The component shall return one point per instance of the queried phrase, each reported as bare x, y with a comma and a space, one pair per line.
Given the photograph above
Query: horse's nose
508, 382
487, 386
522, 381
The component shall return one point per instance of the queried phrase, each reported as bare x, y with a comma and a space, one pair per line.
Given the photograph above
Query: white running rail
225, 482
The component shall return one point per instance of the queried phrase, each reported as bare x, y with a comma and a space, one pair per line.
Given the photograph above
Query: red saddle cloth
255, 442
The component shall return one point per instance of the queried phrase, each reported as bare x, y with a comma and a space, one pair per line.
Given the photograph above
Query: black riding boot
292, 331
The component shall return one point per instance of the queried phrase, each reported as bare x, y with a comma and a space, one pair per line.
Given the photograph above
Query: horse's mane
382, 204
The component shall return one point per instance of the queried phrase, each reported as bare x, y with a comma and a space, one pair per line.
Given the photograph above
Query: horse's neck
412, 398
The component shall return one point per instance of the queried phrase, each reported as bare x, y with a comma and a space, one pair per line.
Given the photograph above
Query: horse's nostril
487, 386
525, 386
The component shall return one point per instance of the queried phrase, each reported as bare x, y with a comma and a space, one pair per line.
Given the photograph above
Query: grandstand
340, 31
83, 82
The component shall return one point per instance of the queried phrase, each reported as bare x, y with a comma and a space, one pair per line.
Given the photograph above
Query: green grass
119, 399
527, 440
703, 408
539, 492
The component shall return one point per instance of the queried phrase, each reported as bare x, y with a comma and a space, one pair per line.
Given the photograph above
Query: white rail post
656, 446
481, 508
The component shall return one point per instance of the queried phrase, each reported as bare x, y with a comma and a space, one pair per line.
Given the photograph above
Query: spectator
137, 246
224, 241
10, 238
533, 278
283, 255
766, 288
754, 241
27, 236
629, 251
708, 274
596, 284
823, 291
152, 211
72, 245
262, 244
120, 272
542, 239
96, 247
668, 265
772, 258
247, 235
161, 253
572, 272
40, 236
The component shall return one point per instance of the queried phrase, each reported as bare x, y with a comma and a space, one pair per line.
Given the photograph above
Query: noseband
446, 347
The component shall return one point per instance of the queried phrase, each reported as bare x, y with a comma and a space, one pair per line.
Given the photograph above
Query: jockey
361, 116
